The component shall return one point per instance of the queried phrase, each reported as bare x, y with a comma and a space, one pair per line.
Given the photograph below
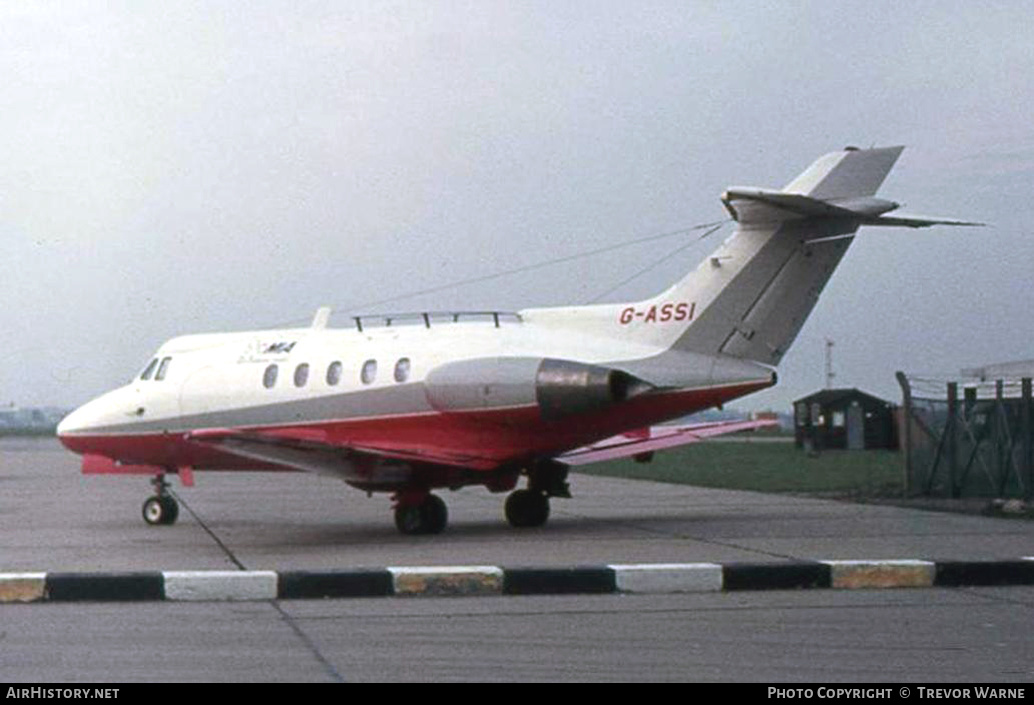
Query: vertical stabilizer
848, 174
753, 295
750, 298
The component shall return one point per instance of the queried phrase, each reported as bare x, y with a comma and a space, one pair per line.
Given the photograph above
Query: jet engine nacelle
558, 387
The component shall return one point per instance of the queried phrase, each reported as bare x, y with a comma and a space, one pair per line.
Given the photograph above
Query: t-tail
749, 299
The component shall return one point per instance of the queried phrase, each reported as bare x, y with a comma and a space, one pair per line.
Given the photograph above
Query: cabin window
163, 369
334, 373
369, 373
301, 374
402, 369
149, 370
269, 377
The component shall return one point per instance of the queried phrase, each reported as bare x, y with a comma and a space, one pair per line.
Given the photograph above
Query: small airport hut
844, 419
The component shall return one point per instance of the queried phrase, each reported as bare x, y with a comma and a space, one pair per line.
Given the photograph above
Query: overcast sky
177, 167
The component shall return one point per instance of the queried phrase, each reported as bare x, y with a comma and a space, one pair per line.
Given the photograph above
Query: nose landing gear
160, 509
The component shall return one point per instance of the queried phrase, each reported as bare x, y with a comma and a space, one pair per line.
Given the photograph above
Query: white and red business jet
410, 404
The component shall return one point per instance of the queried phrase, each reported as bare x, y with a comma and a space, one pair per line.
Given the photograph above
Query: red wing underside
308, 455
302, 453
322, 458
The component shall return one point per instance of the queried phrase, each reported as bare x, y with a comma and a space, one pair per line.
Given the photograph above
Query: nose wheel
160, 509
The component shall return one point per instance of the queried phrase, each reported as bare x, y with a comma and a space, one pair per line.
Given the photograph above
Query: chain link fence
967, 438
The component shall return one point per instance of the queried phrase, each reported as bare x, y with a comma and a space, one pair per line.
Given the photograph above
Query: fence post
1028, 446
906, 430
952, 445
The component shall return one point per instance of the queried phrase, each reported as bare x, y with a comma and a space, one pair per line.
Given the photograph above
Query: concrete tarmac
54, 519
919, 636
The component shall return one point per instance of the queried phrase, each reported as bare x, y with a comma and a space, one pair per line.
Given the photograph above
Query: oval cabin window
269, 377
369, 373
402, 369
301, 374
334, 374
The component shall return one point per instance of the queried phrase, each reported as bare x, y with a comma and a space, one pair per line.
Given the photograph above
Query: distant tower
829, 364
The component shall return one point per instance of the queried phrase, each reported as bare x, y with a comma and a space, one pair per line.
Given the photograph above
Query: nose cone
86, 418
95, 417
77, 423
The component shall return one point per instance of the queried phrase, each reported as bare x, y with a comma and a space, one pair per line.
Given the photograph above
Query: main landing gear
420, 513
161, 509
530, 508
526, 508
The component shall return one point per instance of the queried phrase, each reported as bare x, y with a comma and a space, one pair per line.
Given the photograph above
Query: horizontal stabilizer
754, 206
918, 221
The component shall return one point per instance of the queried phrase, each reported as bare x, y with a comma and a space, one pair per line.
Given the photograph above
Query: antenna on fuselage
319, 321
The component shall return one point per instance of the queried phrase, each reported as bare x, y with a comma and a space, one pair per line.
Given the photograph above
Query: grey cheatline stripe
351, 405
655, 578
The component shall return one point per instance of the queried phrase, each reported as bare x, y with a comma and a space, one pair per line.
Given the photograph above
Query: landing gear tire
527, 508
161, 510
427, 517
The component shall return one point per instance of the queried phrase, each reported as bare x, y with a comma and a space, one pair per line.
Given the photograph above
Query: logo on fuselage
276, 348
263, 351
659, 313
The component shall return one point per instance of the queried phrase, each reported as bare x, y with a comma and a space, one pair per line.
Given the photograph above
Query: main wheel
427, 517
527, 508
161, 510
436, 514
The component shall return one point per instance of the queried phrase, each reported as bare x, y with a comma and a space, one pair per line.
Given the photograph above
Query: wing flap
647, 440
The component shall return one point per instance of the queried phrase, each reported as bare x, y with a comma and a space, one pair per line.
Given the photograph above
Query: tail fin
751, 297
754, 293
847, 174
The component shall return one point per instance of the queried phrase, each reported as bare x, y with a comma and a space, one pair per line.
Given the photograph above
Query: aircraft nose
74, 422
89, 417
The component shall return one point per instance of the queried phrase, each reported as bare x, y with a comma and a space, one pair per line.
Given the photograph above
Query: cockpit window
149, 370
163, 368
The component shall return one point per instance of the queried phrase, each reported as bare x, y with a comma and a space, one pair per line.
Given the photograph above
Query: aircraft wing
311, 452
647, 440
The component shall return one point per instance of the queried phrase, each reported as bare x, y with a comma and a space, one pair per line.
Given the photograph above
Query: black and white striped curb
494, 580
